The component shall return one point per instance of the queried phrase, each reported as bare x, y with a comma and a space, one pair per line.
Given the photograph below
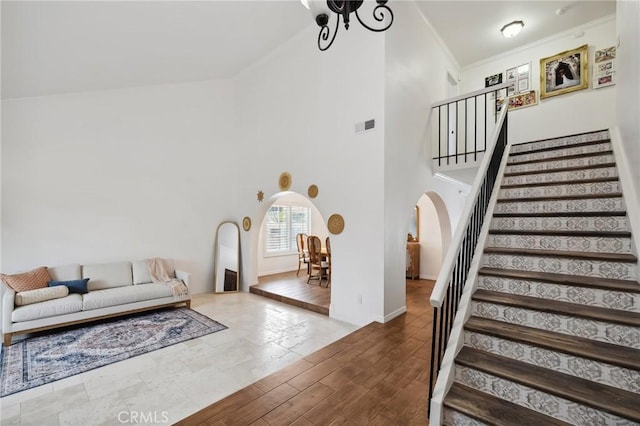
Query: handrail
449, 287
472, 94
440, 288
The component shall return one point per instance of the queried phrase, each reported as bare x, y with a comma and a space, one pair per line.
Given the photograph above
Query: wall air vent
365, 125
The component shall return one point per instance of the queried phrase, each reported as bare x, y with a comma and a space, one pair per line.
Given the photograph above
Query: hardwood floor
377, 375
294, 290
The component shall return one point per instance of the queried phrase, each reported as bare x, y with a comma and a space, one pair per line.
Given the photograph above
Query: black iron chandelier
321, 10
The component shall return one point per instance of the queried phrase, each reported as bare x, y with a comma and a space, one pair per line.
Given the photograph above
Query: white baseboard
394, 314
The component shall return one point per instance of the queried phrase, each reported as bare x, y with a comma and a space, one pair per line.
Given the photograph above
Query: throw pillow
74, 286
40, 295
38, 278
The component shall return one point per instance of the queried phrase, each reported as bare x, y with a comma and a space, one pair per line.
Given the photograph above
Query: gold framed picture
565, 72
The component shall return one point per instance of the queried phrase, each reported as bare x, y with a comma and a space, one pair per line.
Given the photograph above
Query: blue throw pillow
74, 286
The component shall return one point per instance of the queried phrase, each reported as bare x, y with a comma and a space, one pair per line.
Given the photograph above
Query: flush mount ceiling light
321, 10
512, 29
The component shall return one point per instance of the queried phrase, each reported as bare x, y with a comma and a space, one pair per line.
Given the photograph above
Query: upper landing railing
449, 286
461, 125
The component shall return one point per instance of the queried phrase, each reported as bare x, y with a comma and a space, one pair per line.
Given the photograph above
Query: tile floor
169, 384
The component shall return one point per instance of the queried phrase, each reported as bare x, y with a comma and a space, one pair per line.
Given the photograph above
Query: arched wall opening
260, 264
434, 234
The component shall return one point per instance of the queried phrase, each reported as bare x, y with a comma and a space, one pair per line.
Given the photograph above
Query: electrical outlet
359, 299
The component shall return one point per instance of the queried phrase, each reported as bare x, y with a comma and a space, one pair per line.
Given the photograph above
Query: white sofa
114, 289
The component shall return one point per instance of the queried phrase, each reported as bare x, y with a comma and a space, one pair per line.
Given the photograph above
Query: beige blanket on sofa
159, 274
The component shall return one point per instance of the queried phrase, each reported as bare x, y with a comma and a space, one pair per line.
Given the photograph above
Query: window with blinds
282, 224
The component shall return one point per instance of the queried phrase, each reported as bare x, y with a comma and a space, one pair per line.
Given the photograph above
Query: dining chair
315, 259
303, 254
328, 257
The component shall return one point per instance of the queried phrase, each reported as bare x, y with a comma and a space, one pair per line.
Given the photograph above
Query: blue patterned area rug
55, 355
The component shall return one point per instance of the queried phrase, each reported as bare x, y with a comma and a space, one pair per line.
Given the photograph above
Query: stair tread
595, 313
562, 182
611, 257
561, 157
619, 402
561, 169
627, 286
608, 353
564, 214
561, 197
557, 147
492, 410
567, 233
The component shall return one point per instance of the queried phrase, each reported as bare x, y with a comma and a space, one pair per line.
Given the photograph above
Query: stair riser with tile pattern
596, 224
562, 243
560, 164
564, 293
561, 176
569, 150
617, 334
551, 405
562, 141
568, 266
561, 190
606, 374
455, 418
564, 206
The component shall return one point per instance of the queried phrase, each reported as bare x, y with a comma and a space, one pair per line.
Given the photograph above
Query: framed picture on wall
604, 68
523, 85
493, 80
564, 72
519, 78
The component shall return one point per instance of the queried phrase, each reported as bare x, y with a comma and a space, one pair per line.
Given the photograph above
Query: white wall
416, 74
122, 174
628, 86
576, 112
297, 110
268, 265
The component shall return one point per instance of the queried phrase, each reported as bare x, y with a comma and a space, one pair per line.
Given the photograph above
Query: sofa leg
188, 302
7, 340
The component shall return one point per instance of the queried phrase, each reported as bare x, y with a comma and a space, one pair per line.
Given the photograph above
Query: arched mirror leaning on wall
226, 270
414, 226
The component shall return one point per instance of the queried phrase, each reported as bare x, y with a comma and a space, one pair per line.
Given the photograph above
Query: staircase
554, 332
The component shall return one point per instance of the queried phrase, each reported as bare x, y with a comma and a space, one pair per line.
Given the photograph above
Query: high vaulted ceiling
51, 47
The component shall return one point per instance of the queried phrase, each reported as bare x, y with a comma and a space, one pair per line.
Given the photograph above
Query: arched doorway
283, 216
434, 234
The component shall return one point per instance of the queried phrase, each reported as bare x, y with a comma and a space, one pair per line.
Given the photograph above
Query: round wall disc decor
284, 181
335, 224
246, 223
312, 192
